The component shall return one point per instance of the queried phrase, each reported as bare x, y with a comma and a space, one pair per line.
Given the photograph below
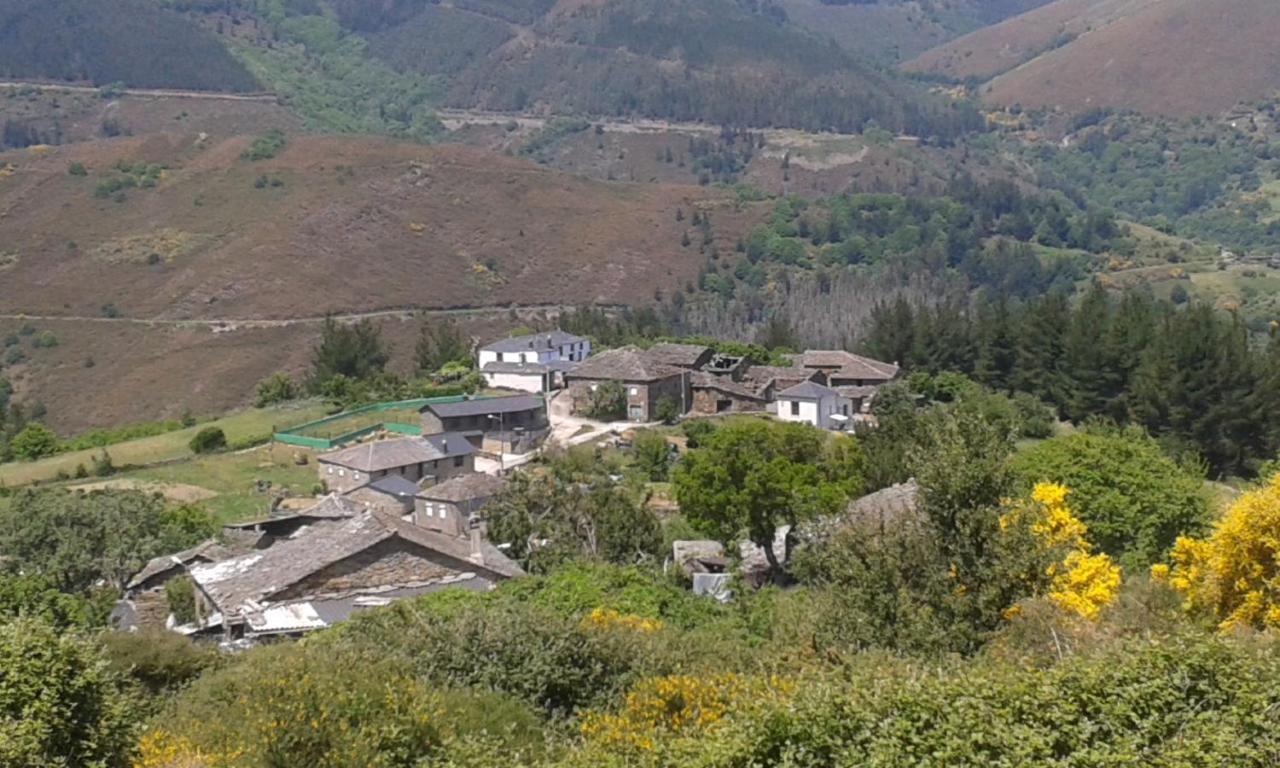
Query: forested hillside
108, 41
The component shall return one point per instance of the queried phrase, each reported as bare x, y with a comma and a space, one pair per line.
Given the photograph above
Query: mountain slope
1176, 58
107, 41
329, 225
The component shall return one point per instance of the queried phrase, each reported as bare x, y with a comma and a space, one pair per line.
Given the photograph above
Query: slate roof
553, 339
700, 380
246, 583
208, 551
807, 390
529, 369
486, 405
395, 485
848, 365
624, 364
761, 376
464, 488
379, 455
331, 507
682, 355
864, 391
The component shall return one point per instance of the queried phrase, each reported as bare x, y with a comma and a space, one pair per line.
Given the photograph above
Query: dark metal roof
807, 390
550, 340
487, 405
395, 485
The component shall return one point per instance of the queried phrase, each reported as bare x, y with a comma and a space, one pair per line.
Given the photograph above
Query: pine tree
995, 341
1040, 348
1089, 375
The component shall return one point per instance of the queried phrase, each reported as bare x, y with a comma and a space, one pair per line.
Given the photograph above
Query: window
355, 475
594, 387
457, 461
342, 473
331, 469
635, 391
444, 512
429, 510
795, 407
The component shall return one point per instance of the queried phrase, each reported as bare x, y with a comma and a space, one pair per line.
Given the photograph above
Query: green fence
348, 426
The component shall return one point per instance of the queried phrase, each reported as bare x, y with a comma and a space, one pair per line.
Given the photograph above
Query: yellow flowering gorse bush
1081, 582
1234, 574
607, 618
679, 705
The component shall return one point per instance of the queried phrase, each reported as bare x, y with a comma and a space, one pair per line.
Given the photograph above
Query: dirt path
230, 324
141, 92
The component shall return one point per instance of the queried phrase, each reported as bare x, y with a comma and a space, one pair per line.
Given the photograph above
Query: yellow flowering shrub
677, 705
607, 618
161, 749
1080, 582
1234, 574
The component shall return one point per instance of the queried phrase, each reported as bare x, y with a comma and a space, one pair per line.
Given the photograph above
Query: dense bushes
208, 440
1135, 500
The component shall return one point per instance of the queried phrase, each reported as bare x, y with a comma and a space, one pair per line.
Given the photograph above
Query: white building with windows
812, 403
534, 363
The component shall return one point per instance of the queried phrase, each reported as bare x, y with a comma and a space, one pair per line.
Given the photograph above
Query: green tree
276, 388
208, 440
38, 597
33, 442
652, 454
74, 540
440, 343
607, 402
59, 703
1134, 499
748, 479
355, 351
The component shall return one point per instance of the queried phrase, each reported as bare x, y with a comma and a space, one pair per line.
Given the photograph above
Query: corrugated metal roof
487, 405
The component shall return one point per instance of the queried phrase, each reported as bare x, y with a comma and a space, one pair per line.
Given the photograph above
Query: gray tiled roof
807, 390
849, 365
395, 485
724, 384
761, 376
550, 340
206, 550
530, 369
677, 354
246, 583
624, 364
464, 488
379, 455
482, 406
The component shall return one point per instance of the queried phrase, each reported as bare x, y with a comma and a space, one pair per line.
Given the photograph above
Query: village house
329, 571
814, 404
533, 363
691, 357
767, 380
453, 505
427, 459
514, 424
645, 382
721, 394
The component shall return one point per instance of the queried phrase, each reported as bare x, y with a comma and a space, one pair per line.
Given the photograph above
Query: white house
532, 363
812, 403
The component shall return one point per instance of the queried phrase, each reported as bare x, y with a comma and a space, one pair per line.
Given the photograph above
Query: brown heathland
1177, 58
331, 225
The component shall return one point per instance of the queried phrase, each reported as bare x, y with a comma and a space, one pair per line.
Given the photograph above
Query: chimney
476, 534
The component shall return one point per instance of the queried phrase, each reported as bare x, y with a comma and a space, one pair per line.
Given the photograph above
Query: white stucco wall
815, 413
524, 382
575, 352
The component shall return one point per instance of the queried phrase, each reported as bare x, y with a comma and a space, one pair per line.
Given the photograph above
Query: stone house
721, 394
514, 424
334, 569
430, 458
767, 380
645, 382
452, 506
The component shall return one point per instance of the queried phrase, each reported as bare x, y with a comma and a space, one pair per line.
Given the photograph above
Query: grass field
356, 421
238, 427
234, 477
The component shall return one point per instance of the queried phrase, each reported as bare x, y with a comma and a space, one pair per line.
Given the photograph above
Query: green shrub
208, 440
59, 704
1134, 499
159, 661
77, 169
607, 402
35, 441
276, 388
265, 147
